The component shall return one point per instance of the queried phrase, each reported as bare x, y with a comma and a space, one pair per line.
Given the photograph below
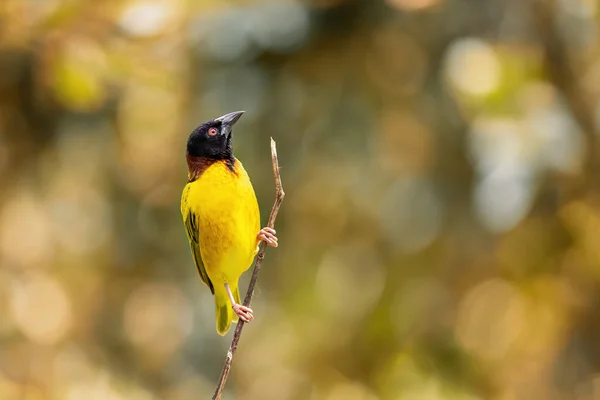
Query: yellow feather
222, 220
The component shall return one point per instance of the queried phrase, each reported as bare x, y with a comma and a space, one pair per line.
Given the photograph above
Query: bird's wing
193, 233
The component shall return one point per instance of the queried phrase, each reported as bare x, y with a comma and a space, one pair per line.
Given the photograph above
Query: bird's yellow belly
227, 244
228, 223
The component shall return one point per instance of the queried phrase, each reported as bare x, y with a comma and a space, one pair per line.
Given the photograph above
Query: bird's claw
244, 313
268, 236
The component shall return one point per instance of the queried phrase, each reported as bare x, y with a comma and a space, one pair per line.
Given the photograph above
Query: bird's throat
197, 166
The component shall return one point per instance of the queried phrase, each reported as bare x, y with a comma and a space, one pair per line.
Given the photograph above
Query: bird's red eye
212, 131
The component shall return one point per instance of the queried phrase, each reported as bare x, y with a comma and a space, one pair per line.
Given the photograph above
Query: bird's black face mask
212, 139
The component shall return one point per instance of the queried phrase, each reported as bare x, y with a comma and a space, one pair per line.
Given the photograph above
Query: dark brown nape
197, 165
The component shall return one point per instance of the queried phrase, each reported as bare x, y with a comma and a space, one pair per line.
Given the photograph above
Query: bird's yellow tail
223, 310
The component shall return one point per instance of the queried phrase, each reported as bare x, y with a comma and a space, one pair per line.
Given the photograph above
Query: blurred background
439, 238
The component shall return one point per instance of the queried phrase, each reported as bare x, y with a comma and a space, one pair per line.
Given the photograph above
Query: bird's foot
245, 313
268, 236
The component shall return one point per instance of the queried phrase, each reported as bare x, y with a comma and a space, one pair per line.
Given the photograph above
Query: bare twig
279, 194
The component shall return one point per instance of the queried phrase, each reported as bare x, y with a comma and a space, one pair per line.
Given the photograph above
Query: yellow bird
221, 216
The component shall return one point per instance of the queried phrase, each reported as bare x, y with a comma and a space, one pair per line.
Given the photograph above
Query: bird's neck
198, 164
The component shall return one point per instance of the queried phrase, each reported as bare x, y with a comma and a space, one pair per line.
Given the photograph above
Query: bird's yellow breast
228, 219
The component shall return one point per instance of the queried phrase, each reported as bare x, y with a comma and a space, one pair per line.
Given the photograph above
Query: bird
221, 217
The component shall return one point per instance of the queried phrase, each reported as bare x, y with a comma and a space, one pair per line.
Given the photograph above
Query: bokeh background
440, 238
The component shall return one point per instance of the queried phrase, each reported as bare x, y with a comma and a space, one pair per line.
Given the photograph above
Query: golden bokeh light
473, 67
71, 365
413, 5
103, 386
278, 383
25, 232
351, 391
341, 271
80, 218
190, 388
41, 308
7, 325
149, 18
157, 318
9, 389
490, 318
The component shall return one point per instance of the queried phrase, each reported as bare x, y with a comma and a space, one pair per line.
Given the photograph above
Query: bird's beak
228, 120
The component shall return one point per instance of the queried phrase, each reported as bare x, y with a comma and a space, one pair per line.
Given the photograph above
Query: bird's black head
212, 139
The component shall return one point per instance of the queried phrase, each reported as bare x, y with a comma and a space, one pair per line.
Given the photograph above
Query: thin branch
279, 195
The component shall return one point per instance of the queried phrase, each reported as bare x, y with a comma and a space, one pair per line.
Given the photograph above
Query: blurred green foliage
439, 238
